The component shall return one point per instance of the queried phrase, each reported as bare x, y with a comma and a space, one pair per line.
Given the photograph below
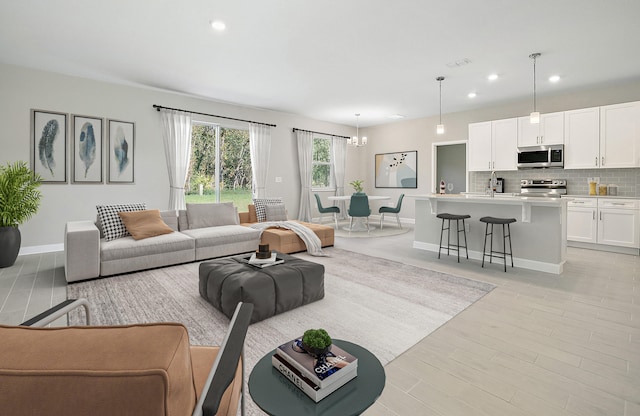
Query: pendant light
440, 126
534, 118
355, 140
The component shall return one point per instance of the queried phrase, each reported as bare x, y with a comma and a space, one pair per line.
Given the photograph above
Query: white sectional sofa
89, 255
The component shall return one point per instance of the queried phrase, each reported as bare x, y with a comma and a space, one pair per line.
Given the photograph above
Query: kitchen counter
600, 196
539, 235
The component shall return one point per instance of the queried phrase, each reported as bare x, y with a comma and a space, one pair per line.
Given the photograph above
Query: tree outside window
322, 177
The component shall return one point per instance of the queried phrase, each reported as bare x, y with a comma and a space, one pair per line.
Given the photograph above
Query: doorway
450, 164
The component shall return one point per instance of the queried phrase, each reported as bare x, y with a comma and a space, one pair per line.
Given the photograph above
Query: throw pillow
276, 212
261, 203
212, 215
112, 225
144, 224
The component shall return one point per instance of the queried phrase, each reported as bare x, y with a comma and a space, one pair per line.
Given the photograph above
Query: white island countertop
499, 198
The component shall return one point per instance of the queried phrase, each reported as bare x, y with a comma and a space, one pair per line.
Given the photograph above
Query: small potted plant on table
357, 185
316, 341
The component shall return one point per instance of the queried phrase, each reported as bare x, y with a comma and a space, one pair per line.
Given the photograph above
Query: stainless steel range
543, 187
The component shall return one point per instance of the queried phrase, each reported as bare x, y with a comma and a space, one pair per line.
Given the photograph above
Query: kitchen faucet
493, 184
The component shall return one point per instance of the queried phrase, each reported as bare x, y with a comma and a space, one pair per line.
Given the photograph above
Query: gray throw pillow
261, 203
276, 212
211, 215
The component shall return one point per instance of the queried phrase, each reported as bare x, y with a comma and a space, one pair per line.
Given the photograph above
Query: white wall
419, 134
23, 89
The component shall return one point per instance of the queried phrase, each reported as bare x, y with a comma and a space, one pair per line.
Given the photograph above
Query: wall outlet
278, 179
594, 179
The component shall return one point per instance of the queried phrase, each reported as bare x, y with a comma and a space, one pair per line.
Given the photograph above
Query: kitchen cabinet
549, 131
582, 220
620, 135
614, 222
582, 138
603, 137
493, 145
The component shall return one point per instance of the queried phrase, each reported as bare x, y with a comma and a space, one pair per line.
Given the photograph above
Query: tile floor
538, 344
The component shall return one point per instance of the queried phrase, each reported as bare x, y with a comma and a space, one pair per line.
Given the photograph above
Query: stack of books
317, 377
254, 261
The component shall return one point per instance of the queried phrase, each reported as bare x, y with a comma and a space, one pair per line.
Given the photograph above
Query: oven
550, 188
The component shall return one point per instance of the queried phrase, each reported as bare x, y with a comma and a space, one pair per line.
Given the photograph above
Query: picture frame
87, 149
120, 153
49, 145
396, 170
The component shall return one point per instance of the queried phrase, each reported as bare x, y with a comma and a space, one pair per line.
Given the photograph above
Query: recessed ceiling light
492, 77
396, 116
471, 95
218, 25
554, 78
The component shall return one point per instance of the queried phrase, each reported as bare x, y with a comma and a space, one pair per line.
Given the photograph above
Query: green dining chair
327, 210
359, 207
391, 210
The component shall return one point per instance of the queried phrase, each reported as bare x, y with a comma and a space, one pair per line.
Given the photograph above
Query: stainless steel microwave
551, 156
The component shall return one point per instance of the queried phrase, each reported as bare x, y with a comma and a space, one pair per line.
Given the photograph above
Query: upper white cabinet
549, 131
582, 138
493, 145
620, 135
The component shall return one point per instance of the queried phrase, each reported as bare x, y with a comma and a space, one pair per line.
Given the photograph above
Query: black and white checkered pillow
261, 203
112, 226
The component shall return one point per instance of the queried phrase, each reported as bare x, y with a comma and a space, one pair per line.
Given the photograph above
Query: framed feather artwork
120, 151
49, 145
87, 149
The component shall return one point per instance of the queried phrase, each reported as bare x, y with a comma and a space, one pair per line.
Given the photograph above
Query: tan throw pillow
212, 215
144, 224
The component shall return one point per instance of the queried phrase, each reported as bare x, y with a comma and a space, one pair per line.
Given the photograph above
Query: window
220, 168
322, 177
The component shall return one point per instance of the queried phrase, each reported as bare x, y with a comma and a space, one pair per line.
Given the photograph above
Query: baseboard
604, 247
49, 248
517, 262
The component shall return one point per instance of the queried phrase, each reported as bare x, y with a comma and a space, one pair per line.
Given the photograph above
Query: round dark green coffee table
278, 396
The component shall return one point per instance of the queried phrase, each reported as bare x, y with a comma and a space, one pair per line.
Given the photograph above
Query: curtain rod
158, 107
319, 132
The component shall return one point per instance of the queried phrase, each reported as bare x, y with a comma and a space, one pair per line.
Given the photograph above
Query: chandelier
356, 141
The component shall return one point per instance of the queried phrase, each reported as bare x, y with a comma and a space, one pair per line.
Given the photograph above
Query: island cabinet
607, 223
493, 145
549, 131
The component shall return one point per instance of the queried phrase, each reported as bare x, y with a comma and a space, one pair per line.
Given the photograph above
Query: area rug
389, 229
383, 305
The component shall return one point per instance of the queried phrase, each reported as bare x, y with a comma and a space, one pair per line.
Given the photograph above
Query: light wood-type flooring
538, 344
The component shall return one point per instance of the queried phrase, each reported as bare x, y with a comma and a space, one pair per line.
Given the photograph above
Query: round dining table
358, 224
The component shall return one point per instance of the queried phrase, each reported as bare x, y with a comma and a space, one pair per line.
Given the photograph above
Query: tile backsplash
628, 180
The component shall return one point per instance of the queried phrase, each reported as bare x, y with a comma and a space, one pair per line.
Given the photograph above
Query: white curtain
176, 134
305, 163
339, 167
260, 146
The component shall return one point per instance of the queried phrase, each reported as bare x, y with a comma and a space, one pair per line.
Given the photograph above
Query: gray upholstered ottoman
272, 290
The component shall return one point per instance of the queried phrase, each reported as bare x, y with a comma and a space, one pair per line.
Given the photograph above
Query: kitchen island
539, 236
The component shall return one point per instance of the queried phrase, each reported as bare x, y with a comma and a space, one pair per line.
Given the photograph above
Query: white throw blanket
311, 240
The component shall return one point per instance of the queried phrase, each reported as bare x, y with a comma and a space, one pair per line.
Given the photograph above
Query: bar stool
448, 217
497, 221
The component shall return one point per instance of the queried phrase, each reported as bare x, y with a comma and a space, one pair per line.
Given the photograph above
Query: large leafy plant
19, 194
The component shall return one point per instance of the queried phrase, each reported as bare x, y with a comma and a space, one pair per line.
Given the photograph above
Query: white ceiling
330, 59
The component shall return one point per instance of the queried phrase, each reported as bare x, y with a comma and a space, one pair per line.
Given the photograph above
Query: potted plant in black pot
316, 342
19, 201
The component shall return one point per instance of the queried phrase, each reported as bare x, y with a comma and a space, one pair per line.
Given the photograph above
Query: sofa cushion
144, 224
211, 215
261, 203
276, 212
135, 369
110, 222
221, 235
127, 247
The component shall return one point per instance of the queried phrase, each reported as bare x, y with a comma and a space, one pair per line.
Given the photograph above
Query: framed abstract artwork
397, 170
49, 145
87, 149
120, 151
